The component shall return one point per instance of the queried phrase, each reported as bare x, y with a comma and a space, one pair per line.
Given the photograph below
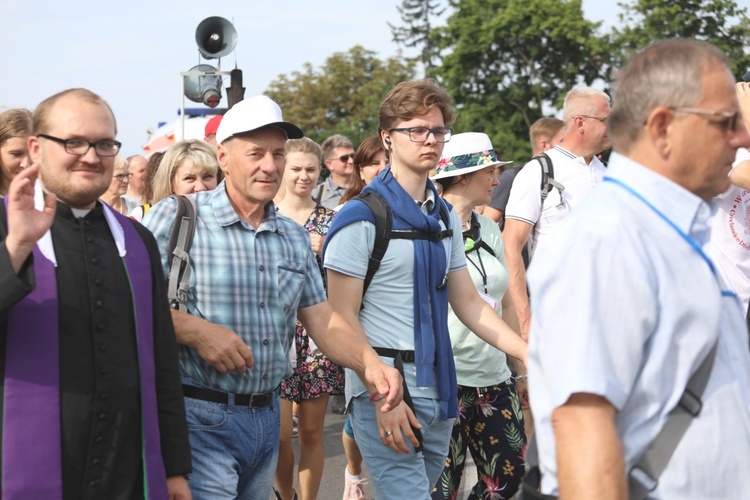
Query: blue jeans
406, 475
234, 449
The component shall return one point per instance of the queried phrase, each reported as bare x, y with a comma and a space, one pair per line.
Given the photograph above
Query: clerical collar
78, 213
45, 242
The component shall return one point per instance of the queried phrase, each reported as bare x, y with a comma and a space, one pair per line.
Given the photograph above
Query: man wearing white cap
252, 274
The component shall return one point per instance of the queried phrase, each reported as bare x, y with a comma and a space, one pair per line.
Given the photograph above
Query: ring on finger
387, 433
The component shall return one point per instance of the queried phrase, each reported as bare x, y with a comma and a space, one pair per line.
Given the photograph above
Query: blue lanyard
688, 239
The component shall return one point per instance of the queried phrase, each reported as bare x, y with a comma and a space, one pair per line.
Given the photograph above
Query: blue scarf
432, 344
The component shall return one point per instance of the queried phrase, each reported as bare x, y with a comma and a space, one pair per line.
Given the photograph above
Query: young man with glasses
404, 311
576, 168
89, 356
338, 154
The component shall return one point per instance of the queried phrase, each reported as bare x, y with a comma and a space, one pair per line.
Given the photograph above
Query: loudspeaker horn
205, 89
216, 37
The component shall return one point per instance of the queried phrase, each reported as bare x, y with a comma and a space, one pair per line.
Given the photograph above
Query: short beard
69, 195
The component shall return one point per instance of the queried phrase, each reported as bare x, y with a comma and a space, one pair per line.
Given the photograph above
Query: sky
132, 52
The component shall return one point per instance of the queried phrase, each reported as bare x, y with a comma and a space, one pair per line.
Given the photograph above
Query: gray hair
667, 73
121, 162
581, 101
333, 142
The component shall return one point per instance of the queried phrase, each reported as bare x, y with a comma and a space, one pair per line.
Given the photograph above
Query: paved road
332, 485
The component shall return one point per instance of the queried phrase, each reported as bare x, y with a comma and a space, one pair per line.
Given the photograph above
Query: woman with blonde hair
15, 129
314, 376
187, 167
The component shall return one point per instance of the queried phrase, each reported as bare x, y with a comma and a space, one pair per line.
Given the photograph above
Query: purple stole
31, 463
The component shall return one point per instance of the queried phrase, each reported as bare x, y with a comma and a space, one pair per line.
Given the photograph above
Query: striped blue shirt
251, 281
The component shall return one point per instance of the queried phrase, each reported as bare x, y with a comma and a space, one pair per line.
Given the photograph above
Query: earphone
388, 140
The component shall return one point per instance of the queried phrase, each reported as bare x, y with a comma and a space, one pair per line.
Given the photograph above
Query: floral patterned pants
490, 424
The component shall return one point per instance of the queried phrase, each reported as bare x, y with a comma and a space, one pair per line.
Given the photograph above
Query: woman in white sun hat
490, 421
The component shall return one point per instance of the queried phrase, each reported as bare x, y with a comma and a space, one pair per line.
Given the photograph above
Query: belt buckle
258, 400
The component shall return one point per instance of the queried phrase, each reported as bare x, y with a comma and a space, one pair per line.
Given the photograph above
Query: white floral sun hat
466, 153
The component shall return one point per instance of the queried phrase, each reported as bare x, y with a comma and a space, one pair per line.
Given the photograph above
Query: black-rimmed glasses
80, 147
420, 134
730, 118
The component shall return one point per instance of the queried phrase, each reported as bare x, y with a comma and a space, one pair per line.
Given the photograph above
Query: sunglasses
344, 158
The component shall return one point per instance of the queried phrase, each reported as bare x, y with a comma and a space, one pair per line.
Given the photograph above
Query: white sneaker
353, 487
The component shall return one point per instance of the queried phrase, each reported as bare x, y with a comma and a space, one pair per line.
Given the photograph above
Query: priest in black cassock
90, 395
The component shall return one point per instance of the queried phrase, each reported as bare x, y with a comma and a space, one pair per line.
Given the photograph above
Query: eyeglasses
80, 147
344, 158
420, 134
122, 177
601, 119
730, 118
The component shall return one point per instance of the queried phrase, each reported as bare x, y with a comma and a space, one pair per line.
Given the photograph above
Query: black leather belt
256, 400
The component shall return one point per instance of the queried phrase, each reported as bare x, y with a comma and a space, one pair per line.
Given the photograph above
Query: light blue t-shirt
624, 308
388, 314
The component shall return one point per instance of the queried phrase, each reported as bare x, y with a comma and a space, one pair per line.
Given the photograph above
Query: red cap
213, 125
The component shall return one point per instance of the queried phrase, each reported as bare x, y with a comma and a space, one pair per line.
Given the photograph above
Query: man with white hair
576, 171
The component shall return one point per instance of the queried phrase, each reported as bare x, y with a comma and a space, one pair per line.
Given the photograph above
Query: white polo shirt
525, 202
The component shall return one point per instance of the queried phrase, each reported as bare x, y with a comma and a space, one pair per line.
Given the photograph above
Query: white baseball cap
252, 114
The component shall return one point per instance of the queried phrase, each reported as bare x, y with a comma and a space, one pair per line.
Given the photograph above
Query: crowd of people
617, 367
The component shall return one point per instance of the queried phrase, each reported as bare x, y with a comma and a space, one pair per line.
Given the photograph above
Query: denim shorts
234, 449
409, 475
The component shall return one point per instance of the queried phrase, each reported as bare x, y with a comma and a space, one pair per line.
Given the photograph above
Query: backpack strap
180, 241
383, 225
434, 237
548, 177
384, 232
643, 478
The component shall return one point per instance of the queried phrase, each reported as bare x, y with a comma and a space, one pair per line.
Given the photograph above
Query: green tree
417, 16
720, 22
508, 62
343, 96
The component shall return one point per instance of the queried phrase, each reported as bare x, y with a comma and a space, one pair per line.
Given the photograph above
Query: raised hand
26, 224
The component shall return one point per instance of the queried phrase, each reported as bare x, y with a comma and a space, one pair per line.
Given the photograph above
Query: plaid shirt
250, 281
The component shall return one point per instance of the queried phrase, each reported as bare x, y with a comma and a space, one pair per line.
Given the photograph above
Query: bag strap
321, 191
180, 241
384, 232
383, 225
643, 477
548, 177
